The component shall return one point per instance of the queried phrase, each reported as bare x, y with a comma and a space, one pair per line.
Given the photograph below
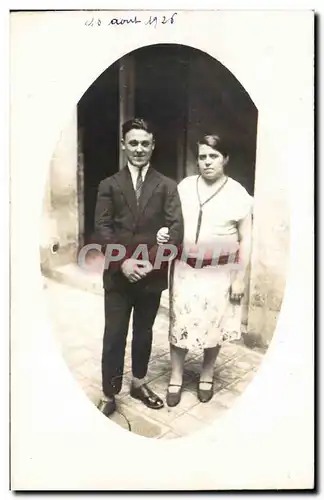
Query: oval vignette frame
72, 194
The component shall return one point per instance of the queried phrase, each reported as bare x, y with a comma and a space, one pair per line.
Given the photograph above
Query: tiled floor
78, 321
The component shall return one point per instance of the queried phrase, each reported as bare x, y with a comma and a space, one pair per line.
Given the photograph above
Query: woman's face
210, 162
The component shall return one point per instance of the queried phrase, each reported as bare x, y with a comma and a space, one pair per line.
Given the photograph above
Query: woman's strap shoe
205, 395
173, 398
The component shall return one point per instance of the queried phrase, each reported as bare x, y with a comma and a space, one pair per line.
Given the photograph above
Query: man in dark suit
132, 206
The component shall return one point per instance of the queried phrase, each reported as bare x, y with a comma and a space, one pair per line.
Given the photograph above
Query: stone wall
61, 206
270, 252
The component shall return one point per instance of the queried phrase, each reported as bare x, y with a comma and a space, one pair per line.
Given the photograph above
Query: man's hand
162, 236
135, 270
237, 290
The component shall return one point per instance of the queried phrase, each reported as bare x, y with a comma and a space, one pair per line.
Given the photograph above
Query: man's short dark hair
137, 123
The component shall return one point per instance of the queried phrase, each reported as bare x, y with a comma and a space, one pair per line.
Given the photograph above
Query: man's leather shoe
144, 394
107, 406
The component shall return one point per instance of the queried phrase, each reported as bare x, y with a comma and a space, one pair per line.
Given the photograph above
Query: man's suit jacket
119, 220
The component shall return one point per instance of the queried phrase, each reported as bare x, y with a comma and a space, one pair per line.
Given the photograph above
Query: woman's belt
221, 260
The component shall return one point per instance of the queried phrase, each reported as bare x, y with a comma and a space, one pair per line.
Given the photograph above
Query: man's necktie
139, 184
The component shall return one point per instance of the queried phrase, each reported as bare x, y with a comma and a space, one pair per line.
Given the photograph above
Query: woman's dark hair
215, 142
137, 123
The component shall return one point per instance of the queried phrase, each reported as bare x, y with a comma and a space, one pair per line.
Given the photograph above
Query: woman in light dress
207, 279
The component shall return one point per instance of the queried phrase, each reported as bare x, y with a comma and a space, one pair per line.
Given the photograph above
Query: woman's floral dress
201, 314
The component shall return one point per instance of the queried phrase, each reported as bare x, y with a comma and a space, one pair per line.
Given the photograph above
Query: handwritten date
121, 21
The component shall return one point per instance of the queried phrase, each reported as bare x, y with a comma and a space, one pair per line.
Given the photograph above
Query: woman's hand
162, 236
237, 290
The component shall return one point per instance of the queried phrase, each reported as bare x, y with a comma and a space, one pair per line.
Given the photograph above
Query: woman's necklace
201, 204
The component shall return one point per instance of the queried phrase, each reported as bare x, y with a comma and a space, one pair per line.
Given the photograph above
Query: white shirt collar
134, 172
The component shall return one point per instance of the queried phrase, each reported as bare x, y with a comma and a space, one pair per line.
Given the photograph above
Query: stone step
73, 275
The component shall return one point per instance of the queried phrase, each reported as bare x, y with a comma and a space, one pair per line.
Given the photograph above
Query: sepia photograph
186, 346
165, 218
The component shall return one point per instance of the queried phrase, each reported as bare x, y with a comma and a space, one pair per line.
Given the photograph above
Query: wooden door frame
127, 81
126, 97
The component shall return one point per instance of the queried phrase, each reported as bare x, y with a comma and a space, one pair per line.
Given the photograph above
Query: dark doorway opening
185, 93
98, 118
161, 96
158, 93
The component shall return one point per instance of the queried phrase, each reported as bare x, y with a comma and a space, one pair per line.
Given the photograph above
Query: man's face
138, 146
